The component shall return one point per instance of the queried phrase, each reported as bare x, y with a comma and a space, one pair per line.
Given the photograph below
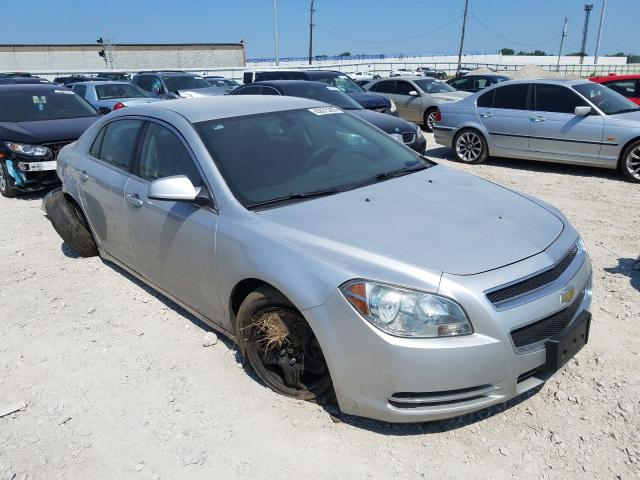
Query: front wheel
430, 119
470, 147
7, 188
280, 346
629, 163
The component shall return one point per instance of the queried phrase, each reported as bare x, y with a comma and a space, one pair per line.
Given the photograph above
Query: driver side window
164, 155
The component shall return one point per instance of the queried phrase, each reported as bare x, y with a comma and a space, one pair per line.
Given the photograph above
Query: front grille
547, 327
408, 137
55, 147
535, 282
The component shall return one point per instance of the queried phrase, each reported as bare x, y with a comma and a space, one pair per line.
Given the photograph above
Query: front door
409, 106
102, 185
557, 133
174, 242
503, 112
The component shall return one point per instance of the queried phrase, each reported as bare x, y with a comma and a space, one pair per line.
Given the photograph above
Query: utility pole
587, 13
464, 26
275, 30
604, 6
311, 25
564, 34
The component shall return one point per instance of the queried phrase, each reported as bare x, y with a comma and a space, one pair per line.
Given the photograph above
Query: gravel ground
116, 382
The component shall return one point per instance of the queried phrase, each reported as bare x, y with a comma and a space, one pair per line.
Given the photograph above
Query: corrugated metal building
85, 57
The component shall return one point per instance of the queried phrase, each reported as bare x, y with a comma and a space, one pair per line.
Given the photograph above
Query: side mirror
177, 188
413, 93
582, 111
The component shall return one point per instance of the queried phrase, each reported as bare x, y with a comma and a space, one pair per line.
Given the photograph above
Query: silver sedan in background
107, 96
331, 253
417, 98
576, 122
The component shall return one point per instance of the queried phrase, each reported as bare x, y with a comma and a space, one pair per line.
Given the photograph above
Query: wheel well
83, 218
626, 145
240, 292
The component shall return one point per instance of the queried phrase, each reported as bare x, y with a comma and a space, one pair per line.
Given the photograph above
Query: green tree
507, 51
344, 54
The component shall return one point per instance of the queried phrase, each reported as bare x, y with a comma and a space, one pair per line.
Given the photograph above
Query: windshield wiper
401, 172
295, 196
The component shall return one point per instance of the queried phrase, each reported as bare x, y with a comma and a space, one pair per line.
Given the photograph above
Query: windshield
299, 152
607, 100
433, 86
36, 105
184, 82
216, 82
323, 93
343, 82
119, 90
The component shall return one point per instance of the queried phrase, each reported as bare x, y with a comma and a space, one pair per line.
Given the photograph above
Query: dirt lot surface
117, 382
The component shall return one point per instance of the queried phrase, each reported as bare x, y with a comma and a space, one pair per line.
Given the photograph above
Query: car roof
552, 81
611, 78
213, 108
31, 87
102, 82
170, 73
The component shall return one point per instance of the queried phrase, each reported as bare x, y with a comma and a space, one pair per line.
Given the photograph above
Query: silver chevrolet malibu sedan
575, 122
333, 255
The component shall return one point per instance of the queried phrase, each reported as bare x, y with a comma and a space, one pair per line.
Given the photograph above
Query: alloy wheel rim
469, 147
431, 120
633, 163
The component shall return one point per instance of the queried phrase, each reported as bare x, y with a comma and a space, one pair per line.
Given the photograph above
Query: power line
510, 40
388, 41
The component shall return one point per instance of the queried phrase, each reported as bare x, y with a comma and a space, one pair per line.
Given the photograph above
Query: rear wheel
629, 163
280, 346
7, 187
470, 147
430, 119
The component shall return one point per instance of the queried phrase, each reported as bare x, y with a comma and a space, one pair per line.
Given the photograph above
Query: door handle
84, 177
487, 115
134, 200
538, 118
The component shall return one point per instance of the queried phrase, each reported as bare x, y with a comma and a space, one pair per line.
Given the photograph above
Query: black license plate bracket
563, 346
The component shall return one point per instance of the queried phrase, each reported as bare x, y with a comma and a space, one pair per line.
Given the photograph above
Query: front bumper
394, 379
32, 175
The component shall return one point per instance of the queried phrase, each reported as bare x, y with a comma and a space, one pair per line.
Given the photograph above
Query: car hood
45, 131
202, 92
386, 123
130, 102
438, 219
370, 100
450, 96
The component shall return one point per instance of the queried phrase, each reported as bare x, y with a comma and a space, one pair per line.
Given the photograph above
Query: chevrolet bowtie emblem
567, 294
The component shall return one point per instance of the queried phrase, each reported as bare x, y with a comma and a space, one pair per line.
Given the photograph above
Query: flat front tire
629, 163
280, 346
470, 147
70, 224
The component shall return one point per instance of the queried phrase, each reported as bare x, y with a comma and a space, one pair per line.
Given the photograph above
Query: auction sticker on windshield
325, 110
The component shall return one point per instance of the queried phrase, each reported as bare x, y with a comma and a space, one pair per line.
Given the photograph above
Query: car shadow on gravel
446, 153
629, 267
439, 426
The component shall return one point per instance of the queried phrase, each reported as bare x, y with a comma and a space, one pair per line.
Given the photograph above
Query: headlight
28, 150
581, 246
406, 313
393, 106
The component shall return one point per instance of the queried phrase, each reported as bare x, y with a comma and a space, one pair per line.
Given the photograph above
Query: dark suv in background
368, 100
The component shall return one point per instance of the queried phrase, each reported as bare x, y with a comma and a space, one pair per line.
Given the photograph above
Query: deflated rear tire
470, 146
70, 224
280, 346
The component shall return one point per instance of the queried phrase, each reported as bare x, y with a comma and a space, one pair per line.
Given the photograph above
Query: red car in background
627, 85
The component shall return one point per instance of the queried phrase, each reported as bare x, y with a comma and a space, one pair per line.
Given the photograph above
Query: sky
356, 26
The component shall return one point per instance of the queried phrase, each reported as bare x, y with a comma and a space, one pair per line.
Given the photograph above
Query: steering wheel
323, 153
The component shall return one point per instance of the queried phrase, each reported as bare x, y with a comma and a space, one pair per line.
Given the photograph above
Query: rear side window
554, 98
269, 91
486, 99
251, 90
97, 143
513, 97
119, 143
386, 86
164, 155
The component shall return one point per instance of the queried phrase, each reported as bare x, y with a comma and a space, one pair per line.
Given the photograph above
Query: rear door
504, 113
557, 132
174, 242
102, 186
